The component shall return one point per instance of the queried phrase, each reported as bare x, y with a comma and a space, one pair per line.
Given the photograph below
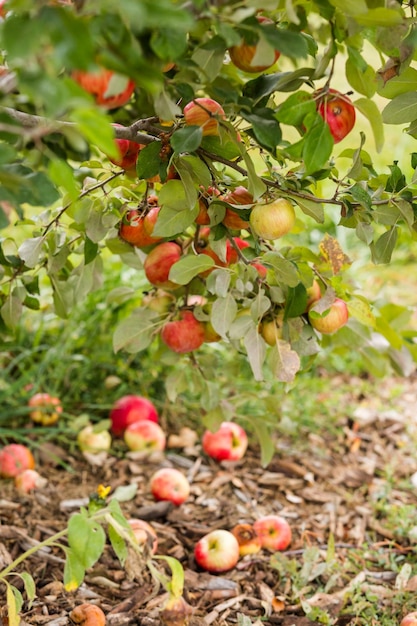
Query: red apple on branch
336, 317
170, 484
129, 409
204, 112
110, 90
159, 262
128, 153
274, 532
144, 436
228, 443
132, 230
184, 334
338, 112
272, 220
242, 55
217, 552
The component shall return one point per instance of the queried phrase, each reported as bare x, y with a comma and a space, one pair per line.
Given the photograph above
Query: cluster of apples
219, 550
17, 462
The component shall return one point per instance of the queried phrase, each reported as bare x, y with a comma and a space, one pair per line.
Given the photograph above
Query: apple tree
202, 142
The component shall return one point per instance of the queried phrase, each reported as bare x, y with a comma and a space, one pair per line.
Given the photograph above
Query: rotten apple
247, 538
92, 440
46, 409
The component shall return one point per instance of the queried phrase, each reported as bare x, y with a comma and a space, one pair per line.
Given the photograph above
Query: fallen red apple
204, 112
46, 409
217, 552
93, 441
274, 532
184, 334
171, 485
110, 90
129, 409
158, 264
338, 112
242, 55
144, 436
272, 220
14, 459
28, 481
144, 533
410, 619
248, 540
337, 316
228, 443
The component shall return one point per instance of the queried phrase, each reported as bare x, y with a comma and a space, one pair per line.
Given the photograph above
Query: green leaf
265, 127
173, 195
222, 314
187, 139
118, 544
209, 57
362, 80
311, 208
285, 271
12, 605
296, 301
361, 310
406, 210
189, 266
172, 222
29, 583
288, 42
63, 176
165, 107
401, 109
149, 160
369, 109
74, 571
176, 586
11, 310
350, 7
30, 250
255, 348
318, 146
383, 248
86, 539
96, 128
294, 109
404, 83
380, 17
136, 332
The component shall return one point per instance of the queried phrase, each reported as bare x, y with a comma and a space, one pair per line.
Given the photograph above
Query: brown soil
326, 486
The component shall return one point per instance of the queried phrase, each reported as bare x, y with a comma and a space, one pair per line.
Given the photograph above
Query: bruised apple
184, 334
243, 54
204, 112
248, 540
336, 317
109, 89
14, 459
272, 220
158, 264
129, 409
46, 409
338, 112
28, 481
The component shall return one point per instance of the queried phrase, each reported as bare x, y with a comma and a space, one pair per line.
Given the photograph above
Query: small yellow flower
103, 491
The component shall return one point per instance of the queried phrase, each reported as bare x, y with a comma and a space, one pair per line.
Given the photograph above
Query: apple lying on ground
159, 262
93, 441
176, 612
273, 220
228, 443
338, 112
144, 436
46, 409
171, 485
204, 112
410, 619
248, 540
274, 532
110, 89
184, 334
14, 459
144, 533
28, 481
129, 409
242, 55
217, 552
336, 317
